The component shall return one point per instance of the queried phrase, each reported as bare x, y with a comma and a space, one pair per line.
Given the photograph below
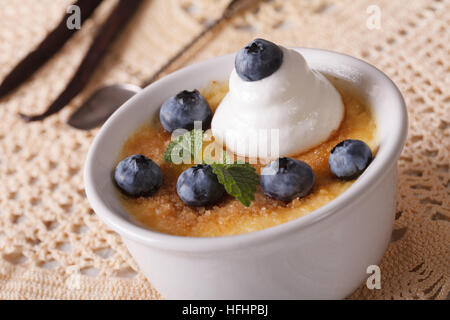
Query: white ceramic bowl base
323, 255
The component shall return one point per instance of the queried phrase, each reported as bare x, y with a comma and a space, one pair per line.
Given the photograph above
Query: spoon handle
120, 15
233, 7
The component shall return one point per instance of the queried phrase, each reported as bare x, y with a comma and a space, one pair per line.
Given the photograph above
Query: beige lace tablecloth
51, 243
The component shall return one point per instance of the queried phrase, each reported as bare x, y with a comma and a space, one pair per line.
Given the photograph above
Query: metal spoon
102, 103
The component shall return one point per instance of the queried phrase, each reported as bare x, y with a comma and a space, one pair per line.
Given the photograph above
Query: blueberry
198, 186
138, 176
258, 60
349, 158
181, 110
286, 179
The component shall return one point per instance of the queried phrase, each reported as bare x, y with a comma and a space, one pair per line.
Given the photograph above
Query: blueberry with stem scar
349, 158
183, 109
258, 60
198, 186
286, 179
138, 176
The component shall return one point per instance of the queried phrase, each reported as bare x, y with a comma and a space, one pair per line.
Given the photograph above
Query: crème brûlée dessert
275, 142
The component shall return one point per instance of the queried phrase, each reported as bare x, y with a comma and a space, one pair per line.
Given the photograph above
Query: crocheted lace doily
51, 243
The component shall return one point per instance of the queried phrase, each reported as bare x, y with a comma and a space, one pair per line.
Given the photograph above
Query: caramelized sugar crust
166, 213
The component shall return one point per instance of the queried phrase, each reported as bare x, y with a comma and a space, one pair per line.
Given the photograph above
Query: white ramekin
323, 255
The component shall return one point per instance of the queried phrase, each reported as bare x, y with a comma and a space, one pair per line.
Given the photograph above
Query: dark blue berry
349, 158
258, 60
138, 176
181, 110
286, 179
198, 186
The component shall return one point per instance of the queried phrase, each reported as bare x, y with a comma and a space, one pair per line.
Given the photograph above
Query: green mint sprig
185, 148
239, 179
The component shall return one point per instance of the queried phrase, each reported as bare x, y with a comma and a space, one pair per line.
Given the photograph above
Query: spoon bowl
101, 105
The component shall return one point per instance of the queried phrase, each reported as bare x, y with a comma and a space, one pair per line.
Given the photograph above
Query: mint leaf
239, 180
185, 148
222, 158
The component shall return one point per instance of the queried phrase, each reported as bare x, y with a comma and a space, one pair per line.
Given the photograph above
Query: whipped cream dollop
297, 107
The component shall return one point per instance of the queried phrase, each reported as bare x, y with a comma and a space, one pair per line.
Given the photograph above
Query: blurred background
51, 243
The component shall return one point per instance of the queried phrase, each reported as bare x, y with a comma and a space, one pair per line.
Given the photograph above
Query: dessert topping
185, 148
138, 176
286, 179
198, 186
298, 103
183, 109
349, 158
258, 60
239, 179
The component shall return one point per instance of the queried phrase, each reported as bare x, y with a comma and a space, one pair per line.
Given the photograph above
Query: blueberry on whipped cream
273, 91
258, 60
183, 109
